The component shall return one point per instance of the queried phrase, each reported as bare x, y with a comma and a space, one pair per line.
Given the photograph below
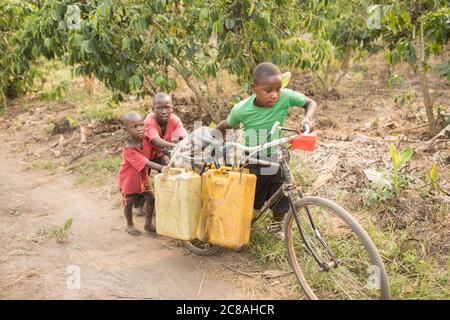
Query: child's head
266, 84
133, 125
162, 106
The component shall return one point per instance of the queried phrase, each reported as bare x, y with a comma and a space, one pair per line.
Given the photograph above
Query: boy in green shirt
258, 113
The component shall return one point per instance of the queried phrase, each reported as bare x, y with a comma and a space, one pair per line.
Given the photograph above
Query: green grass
61, 233
98, 112
16, 210
96, 171
266, 248
412, 274
302, 170
45, 165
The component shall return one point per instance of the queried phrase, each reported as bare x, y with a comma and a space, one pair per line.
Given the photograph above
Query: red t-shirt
133, 175
174, 129
147, 147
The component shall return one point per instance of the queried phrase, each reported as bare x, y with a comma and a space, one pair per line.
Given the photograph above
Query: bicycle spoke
334, 242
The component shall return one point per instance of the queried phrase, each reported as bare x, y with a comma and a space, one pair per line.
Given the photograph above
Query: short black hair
160, 96
265, 69
131, 116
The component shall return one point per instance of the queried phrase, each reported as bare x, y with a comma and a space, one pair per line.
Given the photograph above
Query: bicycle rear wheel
352, 267
201, 248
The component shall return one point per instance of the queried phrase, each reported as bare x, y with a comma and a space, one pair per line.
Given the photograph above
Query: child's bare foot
132, 231
150, 228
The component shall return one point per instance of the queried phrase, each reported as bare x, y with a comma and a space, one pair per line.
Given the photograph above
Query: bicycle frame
288, 189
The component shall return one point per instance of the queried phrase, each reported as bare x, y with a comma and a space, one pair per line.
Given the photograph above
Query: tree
137, 46
15, 72
414, 30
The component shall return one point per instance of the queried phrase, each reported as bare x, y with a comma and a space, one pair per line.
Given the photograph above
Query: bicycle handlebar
253, 150
276, 126
307, 128
265, 163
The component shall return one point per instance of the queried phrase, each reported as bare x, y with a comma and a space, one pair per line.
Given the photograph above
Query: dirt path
112, 264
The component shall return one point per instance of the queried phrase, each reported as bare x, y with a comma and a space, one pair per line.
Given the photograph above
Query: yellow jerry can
178, 202
227, 207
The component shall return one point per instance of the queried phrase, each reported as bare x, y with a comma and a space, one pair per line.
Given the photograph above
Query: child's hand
167, 150
307, 123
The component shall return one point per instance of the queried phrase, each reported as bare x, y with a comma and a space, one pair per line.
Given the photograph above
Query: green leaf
160, 80
86, 46
444, 69
285, 78
36, 51
105, 8
57, 11
68, 224
47, 42
394, 155
217, 26
204, 14
135, 82
433, 173
72, 120
405, 156
395, 80
252, 8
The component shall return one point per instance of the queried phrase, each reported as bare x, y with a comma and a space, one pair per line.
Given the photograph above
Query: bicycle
331, 255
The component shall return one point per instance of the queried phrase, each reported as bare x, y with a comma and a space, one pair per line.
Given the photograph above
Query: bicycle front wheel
332, 256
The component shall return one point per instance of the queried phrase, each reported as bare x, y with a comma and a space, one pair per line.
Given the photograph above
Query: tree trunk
202, 101
424, 85
5, 101
427, 101
326, 85
90, 84
346, 62
200, 95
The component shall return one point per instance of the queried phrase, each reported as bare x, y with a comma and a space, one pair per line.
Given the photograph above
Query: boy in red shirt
163, 128
133, 172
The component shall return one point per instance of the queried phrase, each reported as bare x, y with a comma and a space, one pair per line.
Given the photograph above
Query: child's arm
231, 122
161, 143
154, 165
310, 108
223, 126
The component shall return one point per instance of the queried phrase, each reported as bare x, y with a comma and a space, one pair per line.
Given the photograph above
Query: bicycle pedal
274, 227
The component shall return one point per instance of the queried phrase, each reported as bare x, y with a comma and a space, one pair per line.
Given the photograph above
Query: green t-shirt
258, 121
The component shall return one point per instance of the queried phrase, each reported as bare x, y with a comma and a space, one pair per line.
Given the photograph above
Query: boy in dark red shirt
163, 128
133, 172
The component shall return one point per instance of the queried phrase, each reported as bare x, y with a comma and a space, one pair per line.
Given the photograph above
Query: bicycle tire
295, 255
194, 247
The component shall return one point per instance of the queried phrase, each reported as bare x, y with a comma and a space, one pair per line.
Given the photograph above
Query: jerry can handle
222, 171
176, 170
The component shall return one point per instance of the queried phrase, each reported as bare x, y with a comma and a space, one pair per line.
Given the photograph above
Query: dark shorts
136, 199
266, 186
